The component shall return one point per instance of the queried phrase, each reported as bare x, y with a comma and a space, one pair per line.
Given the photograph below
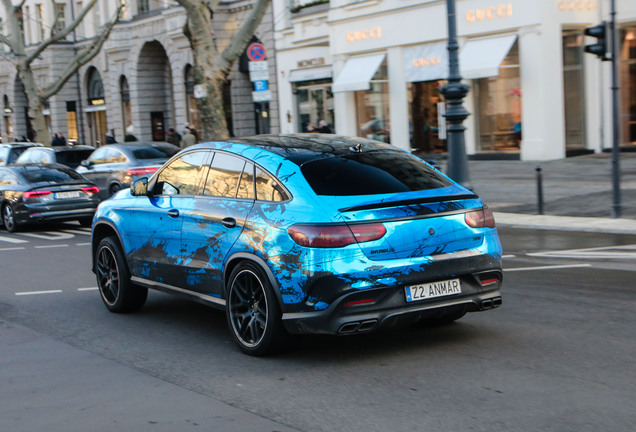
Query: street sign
256, 52
257, 66
262, 96
259, 75
260, 85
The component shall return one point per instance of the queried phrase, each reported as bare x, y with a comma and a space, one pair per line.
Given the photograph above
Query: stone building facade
141, 82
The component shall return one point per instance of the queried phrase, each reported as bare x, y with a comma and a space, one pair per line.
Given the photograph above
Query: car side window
224, 176
246, 185
182, 176
99, 156
268, 188
3, 155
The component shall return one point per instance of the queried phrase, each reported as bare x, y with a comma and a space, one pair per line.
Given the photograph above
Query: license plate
432, 290
65, 195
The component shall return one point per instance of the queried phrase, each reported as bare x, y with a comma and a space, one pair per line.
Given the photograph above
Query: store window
315, 105
424, 102
71, 121
498, 102
573, 89
372, 107
627, 80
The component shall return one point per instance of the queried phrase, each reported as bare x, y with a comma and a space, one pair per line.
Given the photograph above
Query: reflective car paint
194, 251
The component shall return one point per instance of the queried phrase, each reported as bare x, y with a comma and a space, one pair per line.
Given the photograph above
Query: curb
566, 223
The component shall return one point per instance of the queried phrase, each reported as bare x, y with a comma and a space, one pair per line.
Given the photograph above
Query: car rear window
72, 158
371, 173
155, 152
14, 153
52, 175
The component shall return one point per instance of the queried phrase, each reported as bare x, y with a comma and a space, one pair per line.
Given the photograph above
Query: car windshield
72, 158
154, 152
371, 173
51, 175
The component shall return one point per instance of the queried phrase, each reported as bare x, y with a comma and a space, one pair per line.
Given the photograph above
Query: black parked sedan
36, 193
70, 156
9, 152
117, 166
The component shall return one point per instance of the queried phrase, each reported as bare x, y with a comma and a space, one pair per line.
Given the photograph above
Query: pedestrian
188, 139
173, 137
323, 127
130, 131
58, 140
110, 137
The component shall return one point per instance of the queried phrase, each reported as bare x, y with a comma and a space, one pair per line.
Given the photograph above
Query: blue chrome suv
296, 234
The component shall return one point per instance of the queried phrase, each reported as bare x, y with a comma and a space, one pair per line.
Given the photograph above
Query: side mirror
86, 164
140, 187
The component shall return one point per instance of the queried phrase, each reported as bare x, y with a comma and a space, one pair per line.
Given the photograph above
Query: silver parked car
116, 166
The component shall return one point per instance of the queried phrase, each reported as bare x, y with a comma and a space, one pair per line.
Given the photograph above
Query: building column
344, 107
398, 99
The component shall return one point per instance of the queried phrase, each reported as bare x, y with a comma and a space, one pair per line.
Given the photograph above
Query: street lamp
454, 93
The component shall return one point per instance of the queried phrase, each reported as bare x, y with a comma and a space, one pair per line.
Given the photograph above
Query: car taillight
332, 236
480, 219
35, 194
141, 171
90, 189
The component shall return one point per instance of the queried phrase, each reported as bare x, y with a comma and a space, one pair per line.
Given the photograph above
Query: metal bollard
539, 189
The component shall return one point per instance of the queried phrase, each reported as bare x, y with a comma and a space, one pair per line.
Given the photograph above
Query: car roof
71, 148
301, 148
34, 167
21, 144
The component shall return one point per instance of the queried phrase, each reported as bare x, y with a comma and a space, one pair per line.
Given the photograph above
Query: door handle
229, 222
173, 213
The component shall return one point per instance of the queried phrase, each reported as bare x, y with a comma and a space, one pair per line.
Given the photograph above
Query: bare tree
212, 66
23, 58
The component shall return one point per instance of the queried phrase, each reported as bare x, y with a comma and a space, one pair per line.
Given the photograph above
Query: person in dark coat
58, 140
173, 137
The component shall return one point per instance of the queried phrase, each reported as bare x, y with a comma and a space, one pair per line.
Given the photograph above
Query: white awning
357, 73
310, 74
481, 58
426, 62
95, 108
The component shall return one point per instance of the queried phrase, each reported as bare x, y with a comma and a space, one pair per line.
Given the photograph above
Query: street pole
616, 185
454, 93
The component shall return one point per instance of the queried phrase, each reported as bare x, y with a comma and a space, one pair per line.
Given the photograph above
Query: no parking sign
256, 52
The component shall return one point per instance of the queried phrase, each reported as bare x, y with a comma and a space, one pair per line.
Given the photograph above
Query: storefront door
97, 123
424, 98
315, 103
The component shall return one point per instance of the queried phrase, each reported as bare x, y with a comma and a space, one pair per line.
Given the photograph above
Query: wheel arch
240, 257
102, 230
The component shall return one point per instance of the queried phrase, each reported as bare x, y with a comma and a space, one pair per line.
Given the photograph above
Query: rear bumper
40, 216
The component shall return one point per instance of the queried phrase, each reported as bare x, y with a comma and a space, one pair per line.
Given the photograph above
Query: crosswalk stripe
12, 240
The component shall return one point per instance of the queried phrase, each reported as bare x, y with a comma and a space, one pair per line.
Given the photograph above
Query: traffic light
600, 48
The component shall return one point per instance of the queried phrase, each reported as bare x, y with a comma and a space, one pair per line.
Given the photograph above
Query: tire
86, 222
113, 189
119, 294
253, 313
8, 218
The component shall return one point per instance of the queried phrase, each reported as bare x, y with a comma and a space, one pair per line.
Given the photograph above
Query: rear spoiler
415, 201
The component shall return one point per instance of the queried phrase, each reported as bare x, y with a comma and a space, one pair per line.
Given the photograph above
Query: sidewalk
577, 192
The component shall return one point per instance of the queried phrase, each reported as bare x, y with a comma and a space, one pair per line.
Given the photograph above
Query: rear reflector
333, 236
35, 194
359, 302
90, 189
480, 219
141, 171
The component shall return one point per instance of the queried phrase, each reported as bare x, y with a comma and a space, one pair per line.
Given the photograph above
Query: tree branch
241, 38
61, 35
83, 57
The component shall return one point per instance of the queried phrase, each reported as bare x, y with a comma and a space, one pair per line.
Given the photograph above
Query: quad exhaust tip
357, 327
491, 303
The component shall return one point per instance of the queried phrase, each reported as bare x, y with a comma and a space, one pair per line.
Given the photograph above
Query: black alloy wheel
8, 218
113, 279
253, 313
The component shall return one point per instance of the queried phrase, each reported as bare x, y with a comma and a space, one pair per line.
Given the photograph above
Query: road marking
38, 292
49, 235
51, 246
12, 240
509, 256
547, 267
83, 244
605, 252
88, 289
10, 249
74, 231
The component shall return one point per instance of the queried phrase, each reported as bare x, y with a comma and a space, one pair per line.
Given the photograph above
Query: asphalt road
557, 356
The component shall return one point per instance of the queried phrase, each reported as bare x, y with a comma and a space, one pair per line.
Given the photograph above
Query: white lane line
547, 267
88, 289
83, 244
12, 240
509, 256
51, 246
74, 231
38, 292
10, 249
49, 235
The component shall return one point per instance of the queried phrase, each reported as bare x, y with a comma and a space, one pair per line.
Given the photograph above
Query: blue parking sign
260, 85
